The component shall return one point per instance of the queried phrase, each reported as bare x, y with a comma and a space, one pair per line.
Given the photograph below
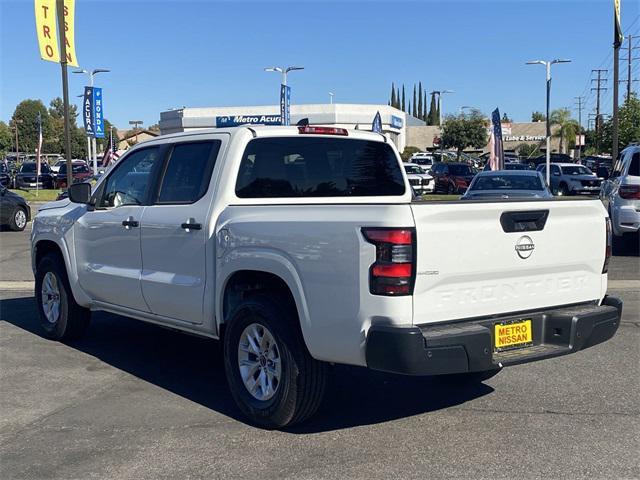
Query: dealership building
354, 116
401, 128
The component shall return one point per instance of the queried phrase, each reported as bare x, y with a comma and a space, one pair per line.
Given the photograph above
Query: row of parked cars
25, 176
616, 183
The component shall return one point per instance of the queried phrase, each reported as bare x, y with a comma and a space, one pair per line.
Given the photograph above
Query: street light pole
331, 97
283, 72
91, 74
547, 65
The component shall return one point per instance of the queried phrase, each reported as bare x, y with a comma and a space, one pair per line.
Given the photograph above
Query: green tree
567, 128
464, 131
424, 107
407, 152
538, 117
628, 125
528, 150
420, 105
393, 95
6, 139
398, 98
432, 118
404, 109
505, 118
56, 110
26, 114
415, 111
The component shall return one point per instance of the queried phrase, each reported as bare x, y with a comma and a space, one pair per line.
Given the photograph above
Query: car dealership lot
135, 400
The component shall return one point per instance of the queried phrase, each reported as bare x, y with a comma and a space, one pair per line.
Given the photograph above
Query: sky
168, 54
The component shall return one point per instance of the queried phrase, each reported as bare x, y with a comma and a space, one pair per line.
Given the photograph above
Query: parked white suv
418, 178
621, 192
298, 247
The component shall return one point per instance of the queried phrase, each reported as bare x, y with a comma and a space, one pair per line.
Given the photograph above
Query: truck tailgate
469, 266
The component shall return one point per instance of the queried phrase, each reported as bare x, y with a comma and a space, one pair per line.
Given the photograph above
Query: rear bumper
467, 346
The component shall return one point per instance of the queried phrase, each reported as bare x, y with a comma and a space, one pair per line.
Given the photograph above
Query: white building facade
353, 116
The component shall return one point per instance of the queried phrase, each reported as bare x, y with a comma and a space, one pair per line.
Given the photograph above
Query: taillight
393, 272
607, 248
629, 192
308, 129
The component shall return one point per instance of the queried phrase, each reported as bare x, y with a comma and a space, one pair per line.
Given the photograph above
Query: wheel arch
267, 273
44, 245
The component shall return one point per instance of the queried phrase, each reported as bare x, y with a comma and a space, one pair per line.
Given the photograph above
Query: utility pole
630, 48
599, 88
60, 9
580, 105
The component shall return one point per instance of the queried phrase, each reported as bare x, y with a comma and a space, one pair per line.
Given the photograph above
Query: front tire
18, 220
272, 377
61, 317
451, 189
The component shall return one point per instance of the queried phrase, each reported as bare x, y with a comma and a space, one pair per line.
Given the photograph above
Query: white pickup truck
299, 247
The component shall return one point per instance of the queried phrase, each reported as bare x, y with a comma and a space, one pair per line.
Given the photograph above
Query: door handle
130, 223
191, 224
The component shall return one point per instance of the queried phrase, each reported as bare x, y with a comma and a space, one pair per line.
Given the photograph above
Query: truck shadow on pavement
192, 367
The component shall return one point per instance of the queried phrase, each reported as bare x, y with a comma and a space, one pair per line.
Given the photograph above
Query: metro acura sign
235, 120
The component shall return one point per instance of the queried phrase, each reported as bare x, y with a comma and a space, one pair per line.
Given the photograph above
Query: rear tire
273, 328
563, 190
451, 189
18, 220
61, 317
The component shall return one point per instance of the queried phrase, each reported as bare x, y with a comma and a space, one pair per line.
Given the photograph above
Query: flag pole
65, 88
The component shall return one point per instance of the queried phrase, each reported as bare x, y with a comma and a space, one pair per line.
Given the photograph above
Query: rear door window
318, 167
188, 172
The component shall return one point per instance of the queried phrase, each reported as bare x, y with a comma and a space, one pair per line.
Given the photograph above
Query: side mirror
80, 192
602, 172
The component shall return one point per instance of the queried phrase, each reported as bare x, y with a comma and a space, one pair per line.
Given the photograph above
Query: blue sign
285, 104
88, 112
396, 122
98, 120
235, 120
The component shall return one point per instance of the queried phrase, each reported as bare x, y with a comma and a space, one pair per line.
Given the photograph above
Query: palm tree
568, 127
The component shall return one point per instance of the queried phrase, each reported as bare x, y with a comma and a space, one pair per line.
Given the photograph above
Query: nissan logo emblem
524, 247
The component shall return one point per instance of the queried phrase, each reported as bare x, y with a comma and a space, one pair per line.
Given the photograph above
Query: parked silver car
572, 179
621, 192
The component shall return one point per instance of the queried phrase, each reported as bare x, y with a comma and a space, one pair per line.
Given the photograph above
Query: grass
42, 195
440, 197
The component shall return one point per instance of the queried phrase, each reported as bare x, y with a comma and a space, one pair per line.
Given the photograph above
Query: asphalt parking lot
133, 400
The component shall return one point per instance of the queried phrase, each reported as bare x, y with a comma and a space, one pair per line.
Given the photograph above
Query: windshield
460, 170
413, 169
76, 168
576, 170
31, 168
507, 182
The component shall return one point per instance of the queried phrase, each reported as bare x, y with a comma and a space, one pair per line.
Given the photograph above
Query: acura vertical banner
285, 104
88, 112
98, 121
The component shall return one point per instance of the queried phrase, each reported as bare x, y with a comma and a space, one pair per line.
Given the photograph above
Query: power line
630, 58
600, 80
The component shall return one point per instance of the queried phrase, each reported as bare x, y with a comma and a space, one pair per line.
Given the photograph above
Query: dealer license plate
509, 335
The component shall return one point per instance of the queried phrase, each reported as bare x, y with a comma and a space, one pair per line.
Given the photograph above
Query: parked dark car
554, 158
594, 163
80, 172
451, 177
5, 176
501, 184
26, 176
14, 210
